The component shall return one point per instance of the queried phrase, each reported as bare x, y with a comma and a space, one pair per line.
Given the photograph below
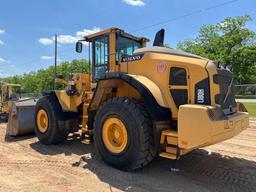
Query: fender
148, 90
61, 114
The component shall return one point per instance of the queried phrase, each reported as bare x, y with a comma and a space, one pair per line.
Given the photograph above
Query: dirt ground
27, 165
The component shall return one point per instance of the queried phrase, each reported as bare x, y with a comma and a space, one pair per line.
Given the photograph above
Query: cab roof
89, 38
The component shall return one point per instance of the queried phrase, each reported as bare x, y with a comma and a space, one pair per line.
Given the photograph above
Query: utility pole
55, 61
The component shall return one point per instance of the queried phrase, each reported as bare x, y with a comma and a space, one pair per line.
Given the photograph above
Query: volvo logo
132, 58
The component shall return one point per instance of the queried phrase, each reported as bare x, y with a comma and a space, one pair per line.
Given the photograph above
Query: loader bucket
21, 118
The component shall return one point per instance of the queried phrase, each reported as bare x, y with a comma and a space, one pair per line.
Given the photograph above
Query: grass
251, 107
245, 96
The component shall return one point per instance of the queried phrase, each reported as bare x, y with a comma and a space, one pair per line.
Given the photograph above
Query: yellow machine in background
8, 95
141, 101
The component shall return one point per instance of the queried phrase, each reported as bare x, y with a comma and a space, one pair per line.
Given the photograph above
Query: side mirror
79, 47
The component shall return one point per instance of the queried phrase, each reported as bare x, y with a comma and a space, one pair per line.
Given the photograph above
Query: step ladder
86, 133
170, 139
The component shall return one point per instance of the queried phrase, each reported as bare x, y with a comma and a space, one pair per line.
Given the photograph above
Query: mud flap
21, 118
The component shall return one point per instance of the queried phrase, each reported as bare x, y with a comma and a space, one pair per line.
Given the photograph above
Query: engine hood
165, 50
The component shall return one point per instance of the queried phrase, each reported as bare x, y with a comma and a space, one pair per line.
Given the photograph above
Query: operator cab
107, 47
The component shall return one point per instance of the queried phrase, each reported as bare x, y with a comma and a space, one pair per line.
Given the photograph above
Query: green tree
229, 42
167, 45
42, 80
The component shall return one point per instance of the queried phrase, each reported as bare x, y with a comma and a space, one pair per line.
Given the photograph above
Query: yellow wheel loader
138, 102
16, 111
8, 96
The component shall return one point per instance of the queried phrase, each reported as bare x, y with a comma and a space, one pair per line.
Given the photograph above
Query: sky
27, 27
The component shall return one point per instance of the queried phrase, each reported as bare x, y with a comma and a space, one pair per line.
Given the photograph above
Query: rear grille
224, 79
180, 96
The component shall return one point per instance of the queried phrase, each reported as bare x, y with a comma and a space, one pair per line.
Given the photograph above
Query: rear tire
139, 149
55, 130
4, 117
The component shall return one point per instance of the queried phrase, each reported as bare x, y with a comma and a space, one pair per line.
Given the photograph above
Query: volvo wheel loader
138, 102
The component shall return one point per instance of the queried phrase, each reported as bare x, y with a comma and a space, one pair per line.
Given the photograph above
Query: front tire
123, 134
48, 128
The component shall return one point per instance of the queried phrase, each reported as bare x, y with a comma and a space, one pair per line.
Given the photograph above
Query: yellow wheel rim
42, 120
114, 135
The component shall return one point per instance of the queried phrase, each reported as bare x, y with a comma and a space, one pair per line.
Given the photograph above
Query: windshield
126, 46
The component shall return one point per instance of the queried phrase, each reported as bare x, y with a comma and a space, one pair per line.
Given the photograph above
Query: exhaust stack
159, 38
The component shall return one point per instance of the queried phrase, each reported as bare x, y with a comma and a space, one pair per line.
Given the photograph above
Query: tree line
42, 80
230, 42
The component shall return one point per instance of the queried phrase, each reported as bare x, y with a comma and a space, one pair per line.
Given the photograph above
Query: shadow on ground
212, 172
19, 138
199, 170
71, 146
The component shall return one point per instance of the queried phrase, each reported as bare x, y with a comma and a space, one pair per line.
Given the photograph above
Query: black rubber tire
140, 150
57, 129
4, 117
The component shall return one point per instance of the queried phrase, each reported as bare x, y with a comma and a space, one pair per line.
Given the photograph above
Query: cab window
126, 46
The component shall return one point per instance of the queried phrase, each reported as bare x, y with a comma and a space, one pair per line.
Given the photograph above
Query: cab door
179, 85
100, 56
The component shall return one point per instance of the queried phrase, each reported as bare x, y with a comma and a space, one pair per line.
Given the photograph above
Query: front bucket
21, 118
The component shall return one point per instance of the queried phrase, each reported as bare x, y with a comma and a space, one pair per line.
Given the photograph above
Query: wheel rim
114, 135
42, 120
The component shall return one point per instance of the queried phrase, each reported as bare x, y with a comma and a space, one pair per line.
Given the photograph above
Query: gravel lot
27, 165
